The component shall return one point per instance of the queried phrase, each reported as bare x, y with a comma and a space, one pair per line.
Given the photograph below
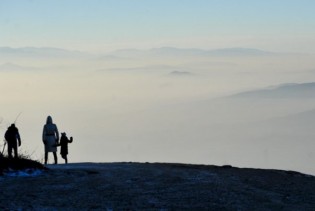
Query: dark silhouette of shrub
21, 163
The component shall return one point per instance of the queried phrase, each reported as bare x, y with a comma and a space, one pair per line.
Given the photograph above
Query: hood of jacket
49, 120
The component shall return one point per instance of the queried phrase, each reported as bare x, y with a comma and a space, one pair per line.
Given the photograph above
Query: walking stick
17, 117
5, 143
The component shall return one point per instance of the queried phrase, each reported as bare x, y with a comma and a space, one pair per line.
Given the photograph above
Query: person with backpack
12, 137
50, 138
64, 146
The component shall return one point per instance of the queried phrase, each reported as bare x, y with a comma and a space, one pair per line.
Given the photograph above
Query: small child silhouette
64, 146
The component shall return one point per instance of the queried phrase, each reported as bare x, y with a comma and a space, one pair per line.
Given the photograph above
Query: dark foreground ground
136, 186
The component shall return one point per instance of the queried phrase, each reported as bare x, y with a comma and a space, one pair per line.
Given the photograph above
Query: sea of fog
180, 112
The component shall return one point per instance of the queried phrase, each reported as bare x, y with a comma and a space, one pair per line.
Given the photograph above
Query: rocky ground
146, 186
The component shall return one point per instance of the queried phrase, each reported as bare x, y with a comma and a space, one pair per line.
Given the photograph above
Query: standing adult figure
50, 138
12, 136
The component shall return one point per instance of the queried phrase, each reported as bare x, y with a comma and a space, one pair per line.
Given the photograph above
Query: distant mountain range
14, 67
292, 90
180, 73
130, 53
170, 51
40, 52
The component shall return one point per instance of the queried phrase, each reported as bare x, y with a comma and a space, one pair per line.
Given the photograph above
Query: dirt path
136, 186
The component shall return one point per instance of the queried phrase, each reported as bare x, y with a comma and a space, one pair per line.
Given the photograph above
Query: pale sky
137, 109
102, 25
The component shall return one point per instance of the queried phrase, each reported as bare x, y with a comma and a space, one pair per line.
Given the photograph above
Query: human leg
46, 157
15, 149
9, 150
63, 157
66, 159
55, 157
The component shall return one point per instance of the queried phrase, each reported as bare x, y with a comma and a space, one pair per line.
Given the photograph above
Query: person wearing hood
50, 138
64, 140
12, 136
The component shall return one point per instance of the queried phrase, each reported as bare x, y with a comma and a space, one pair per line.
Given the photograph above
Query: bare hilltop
155, 186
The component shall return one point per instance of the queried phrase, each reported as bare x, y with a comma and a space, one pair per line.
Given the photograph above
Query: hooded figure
64, 146
12, 136
50, 138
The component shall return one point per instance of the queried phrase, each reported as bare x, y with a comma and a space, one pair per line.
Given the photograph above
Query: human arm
6, 135
44, 135
18, 137
56, 134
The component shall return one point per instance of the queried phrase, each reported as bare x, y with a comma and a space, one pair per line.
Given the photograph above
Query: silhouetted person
12, 136
50, 138
64, 146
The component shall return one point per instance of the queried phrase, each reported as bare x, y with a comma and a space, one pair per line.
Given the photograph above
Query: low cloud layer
224, 106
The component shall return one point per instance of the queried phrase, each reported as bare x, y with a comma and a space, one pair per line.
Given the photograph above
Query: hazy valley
244, 107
